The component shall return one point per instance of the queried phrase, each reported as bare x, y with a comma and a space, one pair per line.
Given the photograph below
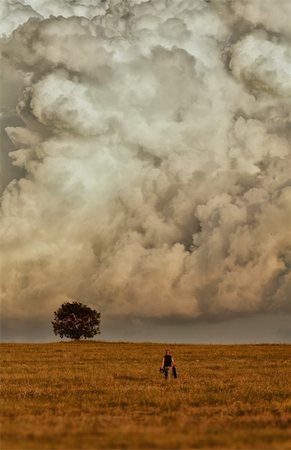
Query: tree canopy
75, 320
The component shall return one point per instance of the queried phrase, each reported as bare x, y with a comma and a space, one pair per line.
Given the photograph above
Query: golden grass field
91, 395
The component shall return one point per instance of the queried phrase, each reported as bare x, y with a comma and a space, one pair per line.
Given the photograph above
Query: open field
91, 395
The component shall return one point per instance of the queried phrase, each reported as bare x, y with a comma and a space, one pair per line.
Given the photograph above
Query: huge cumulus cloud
154, 157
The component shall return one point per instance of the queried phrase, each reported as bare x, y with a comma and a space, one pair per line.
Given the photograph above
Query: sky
145, 168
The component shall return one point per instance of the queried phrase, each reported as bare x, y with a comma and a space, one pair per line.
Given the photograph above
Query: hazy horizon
261, 328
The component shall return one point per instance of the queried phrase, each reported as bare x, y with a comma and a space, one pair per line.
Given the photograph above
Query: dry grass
91, 395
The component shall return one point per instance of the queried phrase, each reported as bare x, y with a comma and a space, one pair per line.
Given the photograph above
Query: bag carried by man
174, 372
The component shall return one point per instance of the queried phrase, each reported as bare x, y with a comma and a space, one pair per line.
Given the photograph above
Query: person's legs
166, 372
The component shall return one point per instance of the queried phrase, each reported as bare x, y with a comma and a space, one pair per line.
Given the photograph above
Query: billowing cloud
155, 150
16, 12
264, 64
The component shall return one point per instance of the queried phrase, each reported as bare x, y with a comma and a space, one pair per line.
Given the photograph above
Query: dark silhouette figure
167, 364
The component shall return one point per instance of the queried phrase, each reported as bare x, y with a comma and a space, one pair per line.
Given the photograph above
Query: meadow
97, 395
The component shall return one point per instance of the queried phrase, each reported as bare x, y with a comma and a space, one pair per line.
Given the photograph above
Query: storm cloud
153, 158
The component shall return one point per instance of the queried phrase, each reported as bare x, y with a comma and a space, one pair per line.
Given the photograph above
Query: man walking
168, 363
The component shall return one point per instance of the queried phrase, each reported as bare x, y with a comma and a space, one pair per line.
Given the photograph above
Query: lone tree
74, 320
